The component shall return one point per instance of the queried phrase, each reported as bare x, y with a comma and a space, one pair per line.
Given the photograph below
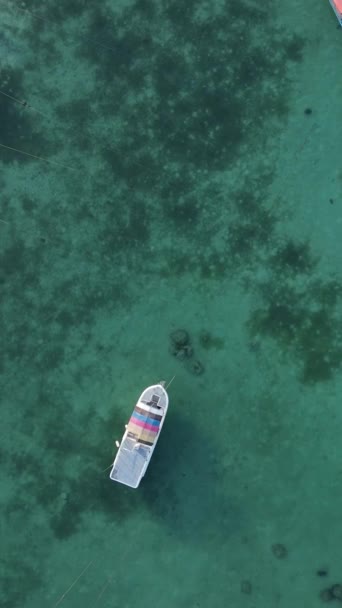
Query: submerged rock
196, 368
326, 595
179, 338
279, 550
246, 587
336, 591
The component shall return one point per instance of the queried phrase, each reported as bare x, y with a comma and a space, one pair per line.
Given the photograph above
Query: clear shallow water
193, 182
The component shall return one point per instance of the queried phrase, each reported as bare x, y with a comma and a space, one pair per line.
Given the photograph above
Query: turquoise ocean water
171, 165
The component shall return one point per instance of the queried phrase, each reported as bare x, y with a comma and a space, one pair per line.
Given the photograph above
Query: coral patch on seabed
181, 348
195, 367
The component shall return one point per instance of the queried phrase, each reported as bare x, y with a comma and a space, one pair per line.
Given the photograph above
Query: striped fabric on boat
144, 424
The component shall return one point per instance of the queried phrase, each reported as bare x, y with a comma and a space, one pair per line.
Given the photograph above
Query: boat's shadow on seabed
183, 485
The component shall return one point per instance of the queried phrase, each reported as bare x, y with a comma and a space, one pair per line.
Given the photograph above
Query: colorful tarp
144, 424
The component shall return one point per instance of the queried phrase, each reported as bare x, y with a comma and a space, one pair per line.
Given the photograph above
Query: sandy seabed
170, 166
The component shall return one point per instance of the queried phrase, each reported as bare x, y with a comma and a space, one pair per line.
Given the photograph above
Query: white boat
141, 436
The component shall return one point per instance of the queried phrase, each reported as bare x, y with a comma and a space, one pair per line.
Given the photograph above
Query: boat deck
130, 463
